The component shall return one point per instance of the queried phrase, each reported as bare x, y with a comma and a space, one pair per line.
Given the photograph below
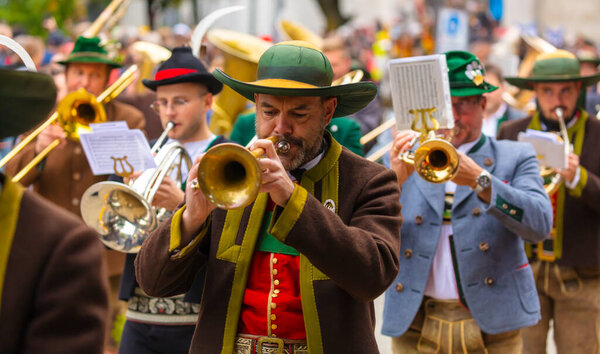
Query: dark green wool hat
298, 68
466, 74
26, 99
557, 66
89, 50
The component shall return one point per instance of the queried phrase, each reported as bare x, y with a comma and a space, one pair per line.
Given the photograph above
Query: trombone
229, 175
74, 113
123, 215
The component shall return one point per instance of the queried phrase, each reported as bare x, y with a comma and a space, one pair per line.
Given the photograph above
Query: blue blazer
494, 273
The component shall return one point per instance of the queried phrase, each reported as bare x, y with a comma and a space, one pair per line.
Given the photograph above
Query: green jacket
344, 130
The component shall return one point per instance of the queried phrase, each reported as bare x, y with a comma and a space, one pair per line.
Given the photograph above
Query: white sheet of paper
109, 126
107, 150
550, 152
421, 83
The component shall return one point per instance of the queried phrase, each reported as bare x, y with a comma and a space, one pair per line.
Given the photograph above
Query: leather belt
247, 344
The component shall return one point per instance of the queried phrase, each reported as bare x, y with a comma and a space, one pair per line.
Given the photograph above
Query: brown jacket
54, 297
348, 258
65, 173
581, 240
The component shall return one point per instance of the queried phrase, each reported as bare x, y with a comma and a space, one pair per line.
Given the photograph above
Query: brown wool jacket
66, 174
54, 292
581, 239
347, 258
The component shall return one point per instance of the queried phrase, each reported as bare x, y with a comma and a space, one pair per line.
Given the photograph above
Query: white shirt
441, 283
489, 125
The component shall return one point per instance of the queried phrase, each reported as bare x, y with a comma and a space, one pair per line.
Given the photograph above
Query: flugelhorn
75, 112
123, 215
229, 175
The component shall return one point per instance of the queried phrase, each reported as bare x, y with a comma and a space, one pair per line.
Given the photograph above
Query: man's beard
305, 151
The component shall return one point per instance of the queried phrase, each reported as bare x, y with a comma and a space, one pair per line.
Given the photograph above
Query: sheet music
123, 150
109, 126
550, 152
421, 83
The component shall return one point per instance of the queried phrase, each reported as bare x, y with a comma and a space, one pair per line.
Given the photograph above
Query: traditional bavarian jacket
577, 221
343, 219
53, 292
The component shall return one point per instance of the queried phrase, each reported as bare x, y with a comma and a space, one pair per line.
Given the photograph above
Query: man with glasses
465, 284
184, 94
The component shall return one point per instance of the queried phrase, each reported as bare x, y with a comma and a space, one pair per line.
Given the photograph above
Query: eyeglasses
177, 104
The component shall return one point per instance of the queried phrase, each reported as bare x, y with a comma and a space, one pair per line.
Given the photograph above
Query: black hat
183, 66
26, 99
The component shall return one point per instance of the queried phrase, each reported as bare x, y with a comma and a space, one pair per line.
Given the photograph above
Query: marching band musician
65, 174
298, 269
184, 94
465, 284
567, 267
53, 290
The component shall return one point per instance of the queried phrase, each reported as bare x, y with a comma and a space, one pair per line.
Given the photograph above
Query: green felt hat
89, 50
556, 66
465, 73
26, 99
297, 68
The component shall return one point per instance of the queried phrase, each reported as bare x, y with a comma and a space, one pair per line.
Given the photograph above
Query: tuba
229, 175
123, 215
241, 52
294, 31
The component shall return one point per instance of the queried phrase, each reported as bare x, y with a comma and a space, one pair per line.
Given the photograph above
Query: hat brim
351, 98
91, 60
214, 86
527, 82
26, 99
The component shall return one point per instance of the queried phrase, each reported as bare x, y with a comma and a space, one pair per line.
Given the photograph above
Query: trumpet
123, 215
435, 160
74, 113
229, 175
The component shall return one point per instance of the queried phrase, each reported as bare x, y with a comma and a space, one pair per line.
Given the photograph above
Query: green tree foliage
30, 14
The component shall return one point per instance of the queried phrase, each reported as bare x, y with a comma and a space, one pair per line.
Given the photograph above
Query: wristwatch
484, 180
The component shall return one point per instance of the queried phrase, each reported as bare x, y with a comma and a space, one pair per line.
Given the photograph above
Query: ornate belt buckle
262, 340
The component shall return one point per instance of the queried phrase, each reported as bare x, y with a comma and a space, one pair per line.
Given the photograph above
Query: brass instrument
349, 78
229, 175
296, 32
106, 16
436, 160
151, 55
74, 113
123, 215
241, 52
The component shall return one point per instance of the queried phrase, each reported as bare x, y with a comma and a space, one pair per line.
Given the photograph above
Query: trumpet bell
121, 216
229, 176
436, 160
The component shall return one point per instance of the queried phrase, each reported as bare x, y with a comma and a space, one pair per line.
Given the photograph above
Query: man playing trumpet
298, 269
567, 267
465, 284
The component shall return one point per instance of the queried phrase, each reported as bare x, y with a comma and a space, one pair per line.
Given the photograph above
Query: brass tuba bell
229, 175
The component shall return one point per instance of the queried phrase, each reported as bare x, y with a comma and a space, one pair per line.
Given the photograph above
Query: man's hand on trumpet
569, 173
275, 179
197, 207
402, 140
